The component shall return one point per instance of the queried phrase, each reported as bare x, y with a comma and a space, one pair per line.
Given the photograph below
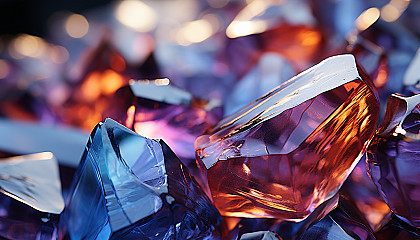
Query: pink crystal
286, 153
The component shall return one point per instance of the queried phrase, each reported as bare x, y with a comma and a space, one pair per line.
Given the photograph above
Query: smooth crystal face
393, 158
284, 154
30, 197
261, 235
156, 109
131, 187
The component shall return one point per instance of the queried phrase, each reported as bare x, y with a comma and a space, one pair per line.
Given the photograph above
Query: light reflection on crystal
282, 139
393, 158
30, 198
131, 187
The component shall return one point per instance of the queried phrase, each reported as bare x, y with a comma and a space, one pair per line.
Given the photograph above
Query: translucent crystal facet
287, 152
131, 187
156, 109
393, 158
30, 198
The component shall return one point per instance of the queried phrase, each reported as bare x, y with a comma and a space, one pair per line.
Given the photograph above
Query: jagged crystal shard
284, 154
393, 158
132, 187
33, 180
31, 197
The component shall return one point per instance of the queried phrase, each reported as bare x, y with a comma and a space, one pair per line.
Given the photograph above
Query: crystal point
393, 158
131, 187
284, 154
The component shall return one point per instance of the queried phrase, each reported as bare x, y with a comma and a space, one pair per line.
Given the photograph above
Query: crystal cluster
131, 187
284, 154
393, 158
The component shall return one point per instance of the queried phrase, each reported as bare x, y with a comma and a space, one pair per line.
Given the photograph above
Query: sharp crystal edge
33, 180
23, 137
393, 158
160, 90
131, 187
287, 152
261, 235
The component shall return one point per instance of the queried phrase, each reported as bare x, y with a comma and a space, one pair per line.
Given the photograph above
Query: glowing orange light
90, 89
381, 78
117, 63
246, 169
130, 116
110, 82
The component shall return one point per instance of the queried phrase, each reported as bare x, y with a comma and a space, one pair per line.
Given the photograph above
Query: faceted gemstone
270, 71
360, 188
396, 229
393, 158
31, 197
131, 187
284, 154
157, 109
344, 222
234, 227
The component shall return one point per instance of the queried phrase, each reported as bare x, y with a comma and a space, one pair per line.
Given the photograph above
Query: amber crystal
393, 158
286, 153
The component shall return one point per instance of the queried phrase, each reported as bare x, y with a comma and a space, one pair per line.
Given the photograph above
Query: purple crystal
131, 187
393, 158
284, 154
156, 109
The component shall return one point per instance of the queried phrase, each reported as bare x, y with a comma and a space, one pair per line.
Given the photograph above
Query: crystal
396, 229
261, 235
270, 71
393, 158
344, 222
360, 188
131, 187
31, 197
284, 154
28, 137
157, 109
234, 227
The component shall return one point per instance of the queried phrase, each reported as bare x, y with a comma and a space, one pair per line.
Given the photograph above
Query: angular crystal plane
394, 158
157, 109
31, 197
131, 187
287, 152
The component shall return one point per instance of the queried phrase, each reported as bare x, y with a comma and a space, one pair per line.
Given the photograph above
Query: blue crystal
131, 187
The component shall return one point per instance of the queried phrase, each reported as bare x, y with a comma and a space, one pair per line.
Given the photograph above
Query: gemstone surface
262, 235
393, 158
156, 109
131, 187
30, 198
284, 154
